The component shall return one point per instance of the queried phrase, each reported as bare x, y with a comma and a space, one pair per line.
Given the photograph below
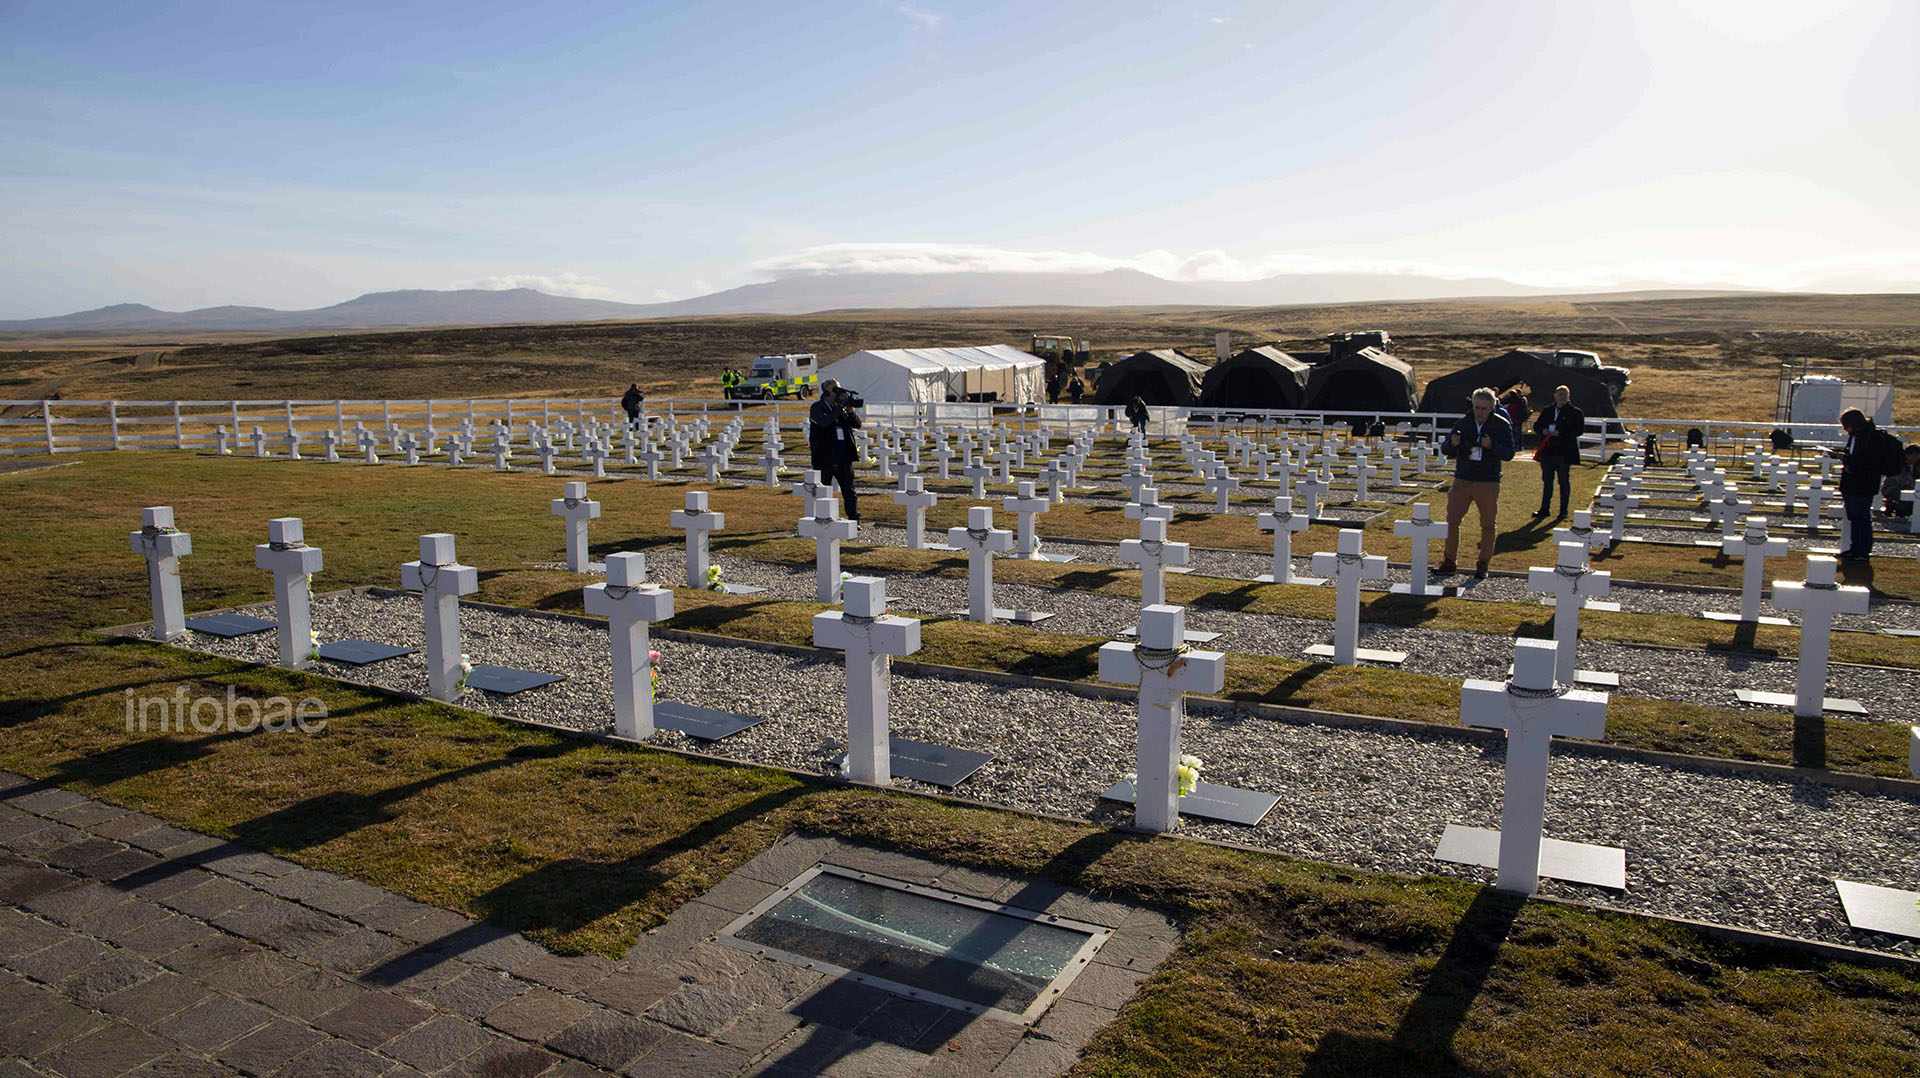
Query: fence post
179, 436
546, 413
386, 415
289, 405
340, 419
46, 413
429, 413
113, 422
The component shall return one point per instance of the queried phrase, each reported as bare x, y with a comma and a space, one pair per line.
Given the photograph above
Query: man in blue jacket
1477, 444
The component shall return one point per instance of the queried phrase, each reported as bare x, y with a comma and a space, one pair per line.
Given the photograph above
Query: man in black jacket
1559, 428
830, 426
631, 402
1870, 455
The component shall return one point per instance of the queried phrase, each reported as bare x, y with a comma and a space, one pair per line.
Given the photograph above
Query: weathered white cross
1221, 486
979, 473
1146, 503
1025, 504
1755, 548
871, 638
1311, 490
1421, 530
629, 604
1165, 669
917, 499
981, 540
1348, 565
826, 530
1363, 470
330, 446
441, 581
698, 522
1153, 553
1569, 582
1533, 710
1619, 505
288, 557
259, 440
576, 510
1283, 522
1818, 599
163, 547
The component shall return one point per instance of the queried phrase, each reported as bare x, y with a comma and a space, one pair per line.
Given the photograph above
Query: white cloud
920, 17
559, 284
1892, 270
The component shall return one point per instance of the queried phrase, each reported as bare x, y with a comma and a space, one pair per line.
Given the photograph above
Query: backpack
1892, 453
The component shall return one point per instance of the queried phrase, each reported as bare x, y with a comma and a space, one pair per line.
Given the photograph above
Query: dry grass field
1705, 358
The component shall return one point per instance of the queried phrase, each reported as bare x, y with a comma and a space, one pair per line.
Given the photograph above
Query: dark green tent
1449, 393
1366, 381
1263, 377
1164, 376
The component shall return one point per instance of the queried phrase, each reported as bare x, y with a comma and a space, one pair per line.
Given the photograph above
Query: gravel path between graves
1885, 544
1730, 847
1660, 673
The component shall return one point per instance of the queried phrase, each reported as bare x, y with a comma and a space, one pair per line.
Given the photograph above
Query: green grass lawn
1288, 967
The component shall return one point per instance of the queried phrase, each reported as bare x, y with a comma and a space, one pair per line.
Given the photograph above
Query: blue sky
288, 155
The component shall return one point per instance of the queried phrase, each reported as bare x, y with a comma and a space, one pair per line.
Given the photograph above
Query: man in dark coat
830, 426
1869, 456
1559, 427
631, 402
1478, 443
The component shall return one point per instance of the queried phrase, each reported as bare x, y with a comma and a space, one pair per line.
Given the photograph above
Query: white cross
546, 451
1362, 471
1283, 522
1135, 478
163, 547
871, 638
981, 540
1348, 565
455, 447
595, 455
220, 441
1262, 462
711, 457
1165, 670
1787, 477
1818, 599
1618, 504
1222, 486
501, 453
441, 581
1817, 495
1283, 470
1025, 504
370, 444
411, 444
698, 522
979, 474
1053, 475
773, 462
1153, 553
1533, 711
259, 440
1568, 582
883, 462
810, 487
576, 510
1420, 530
1311, 490
629, 603
1422, 453
826, 531
1755, 548
288, 557
1146, 503
1395, 461
292, 441
330, 446
1581, 531
914, 495
1732, 508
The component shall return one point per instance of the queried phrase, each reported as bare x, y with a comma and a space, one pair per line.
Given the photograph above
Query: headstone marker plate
1210, 802
1014, 617
227, 625
506, 680
362, 652
1880, 909
924, 762
1372, 655
704, 723
1575, 862
742, 589
1786, 699
1728, 615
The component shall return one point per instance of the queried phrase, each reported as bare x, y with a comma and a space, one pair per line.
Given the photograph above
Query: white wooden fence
67, 426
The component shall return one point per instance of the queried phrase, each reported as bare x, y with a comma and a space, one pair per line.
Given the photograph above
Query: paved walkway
132, 947
128, 946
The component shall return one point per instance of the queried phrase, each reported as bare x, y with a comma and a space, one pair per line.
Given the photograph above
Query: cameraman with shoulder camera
830, 426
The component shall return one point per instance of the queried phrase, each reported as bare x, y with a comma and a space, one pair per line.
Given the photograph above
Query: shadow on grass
713, 617
1423, 1043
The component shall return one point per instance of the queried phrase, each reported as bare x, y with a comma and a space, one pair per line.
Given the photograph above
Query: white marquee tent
935, 375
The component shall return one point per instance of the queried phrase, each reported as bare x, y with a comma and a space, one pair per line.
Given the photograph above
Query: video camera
848, 398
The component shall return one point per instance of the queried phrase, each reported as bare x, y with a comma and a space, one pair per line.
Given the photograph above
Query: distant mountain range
808, 294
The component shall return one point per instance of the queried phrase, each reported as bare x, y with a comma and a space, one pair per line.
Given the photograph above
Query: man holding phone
1559, 428
830, 426
1478, 443
1870, 455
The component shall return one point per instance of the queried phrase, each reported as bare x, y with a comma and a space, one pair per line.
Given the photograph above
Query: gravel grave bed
1885, 544
1730, 847
1689, 676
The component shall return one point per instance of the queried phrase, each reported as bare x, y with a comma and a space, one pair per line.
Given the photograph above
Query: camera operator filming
830, 425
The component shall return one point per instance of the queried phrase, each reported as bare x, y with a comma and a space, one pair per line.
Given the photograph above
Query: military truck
794, 374
1616, 379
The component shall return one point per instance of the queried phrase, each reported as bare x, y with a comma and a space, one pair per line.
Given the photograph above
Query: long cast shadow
1423, 1042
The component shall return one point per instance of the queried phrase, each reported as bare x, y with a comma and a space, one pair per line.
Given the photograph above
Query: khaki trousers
1484, 496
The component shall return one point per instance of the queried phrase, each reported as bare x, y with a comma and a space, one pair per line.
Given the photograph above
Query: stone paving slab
132, 947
